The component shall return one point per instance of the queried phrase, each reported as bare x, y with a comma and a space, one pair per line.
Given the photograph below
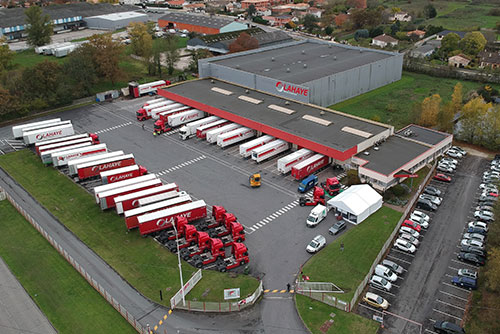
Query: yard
68, 301
145, 264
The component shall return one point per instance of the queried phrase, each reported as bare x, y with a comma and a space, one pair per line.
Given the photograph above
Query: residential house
278, 21
459, 61
489, 59
426, 49
419, 33
177, 4
401, 16
245, 4
194, 7
315, 11
384, 40
443, 33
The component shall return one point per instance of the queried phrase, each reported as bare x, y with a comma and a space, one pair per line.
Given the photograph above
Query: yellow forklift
255, 180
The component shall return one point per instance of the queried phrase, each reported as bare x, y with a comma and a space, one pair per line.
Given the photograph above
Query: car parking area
424, 293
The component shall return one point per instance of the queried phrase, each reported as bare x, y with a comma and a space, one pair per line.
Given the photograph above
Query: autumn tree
457, 98
430, 110
471, 122
366, 18
39, 26
6, 55
81, 70
106, 55
491, 129
310, 22
243, 42
473, 43
356, 3
340, 19
172, 54
9, 105
141, 40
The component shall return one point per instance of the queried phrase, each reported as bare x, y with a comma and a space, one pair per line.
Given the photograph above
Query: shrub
352, 177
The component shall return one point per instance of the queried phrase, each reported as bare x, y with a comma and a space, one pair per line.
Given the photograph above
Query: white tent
356, 203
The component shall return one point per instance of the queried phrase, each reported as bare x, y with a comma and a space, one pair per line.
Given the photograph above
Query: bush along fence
106, 295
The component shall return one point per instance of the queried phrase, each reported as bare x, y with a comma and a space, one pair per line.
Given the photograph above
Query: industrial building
114, 21
199, 23
400, 156
310, 71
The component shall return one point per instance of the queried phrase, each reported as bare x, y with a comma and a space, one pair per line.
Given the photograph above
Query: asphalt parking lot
424, 294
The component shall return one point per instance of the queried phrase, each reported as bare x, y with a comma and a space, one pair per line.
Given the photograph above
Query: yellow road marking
274, 291
267, 290
282, 291
165, 317
169, 312
156, 327
292, 291
161, 322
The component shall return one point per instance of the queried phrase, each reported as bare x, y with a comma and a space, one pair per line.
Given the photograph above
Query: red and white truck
247, 148
35, 136
201, 132
235, 136
74, 163
145, 112
125, 183
160, 197
189, 130
124, 173
62, 145
107, 199
185, 117
40, 146
309, 166
214, 133
163, 219
94, 168
46, 156
286, 163
131, 216
60, 159
17, 130
158, 99
136, 90
161, 125
156, 111
269, 150
130, 201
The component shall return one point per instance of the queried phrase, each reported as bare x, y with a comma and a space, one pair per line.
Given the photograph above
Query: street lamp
180, 265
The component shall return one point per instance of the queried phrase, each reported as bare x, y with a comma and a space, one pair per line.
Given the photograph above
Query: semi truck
235, 136
94, 168
130, 201
46, 156
189, 130
188, 238
62, 145
131, 216
42, 144
60, 159
185, 117
201, 132
107, 199
45, 126
124, 173
136, 90
161, 125
163, 219
239, 256
247, 148
202, 243
17, 130
156, 111
309, 166
159, 197
158, 99
125, 183
35, 136
286, 163
214, 133
269, 150
145, 112
216, 253
74, 163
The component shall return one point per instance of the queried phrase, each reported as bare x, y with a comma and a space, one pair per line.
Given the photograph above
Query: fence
187, 287
123, 311
318, 287
222, 306
388, 243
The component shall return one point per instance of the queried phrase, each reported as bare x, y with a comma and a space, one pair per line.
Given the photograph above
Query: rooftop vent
267, 69
318, 120
366, 153
329, 46
334, 57
237, 65
287, 103
281, 109
360, 50
247, 91
408, 133
249, 99
357, 132
212, 81
288, 70
303, 52
305, 65
272, 59
221, 91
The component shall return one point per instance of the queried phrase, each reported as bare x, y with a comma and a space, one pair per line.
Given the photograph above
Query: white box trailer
45, 126
269, 150
46, 156
286, 163
64, 50
164, 114
42, 148
247, 148
147, 103
17, 130
130, 201
201, 132
107, 198
50, 49
160, 197
185, 117
61, 158
189, 130
40, 145
74, 163
35, 136
121, 184
154, 112
235, 136
213, 134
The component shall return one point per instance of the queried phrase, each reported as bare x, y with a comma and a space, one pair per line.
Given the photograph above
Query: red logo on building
290, 89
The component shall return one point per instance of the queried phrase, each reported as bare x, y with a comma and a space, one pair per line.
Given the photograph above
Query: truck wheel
198, 264
242, 262
222, 269
192, 243
185, 257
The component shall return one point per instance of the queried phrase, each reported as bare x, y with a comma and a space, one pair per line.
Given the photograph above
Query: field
315, 314
361, 245
68, 301
397, 102
141, 261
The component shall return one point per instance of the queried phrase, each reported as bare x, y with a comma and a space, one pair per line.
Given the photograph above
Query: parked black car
448, 328
473, 250
425, 204
477, 230
471, 258
432, 191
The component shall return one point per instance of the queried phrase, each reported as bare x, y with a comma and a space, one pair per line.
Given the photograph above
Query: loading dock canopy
357, 203
324, 131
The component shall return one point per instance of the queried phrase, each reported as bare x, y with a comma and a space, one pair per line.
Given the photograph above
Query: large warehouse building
202, 24
114, 21
310, 71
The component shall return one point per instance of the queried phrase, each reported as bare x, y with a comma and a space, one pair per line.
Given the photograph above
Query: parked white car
380, 283
410, 231
421, 222
419, 214
472, 242
385, 272
316, 244
414, 241
404, 246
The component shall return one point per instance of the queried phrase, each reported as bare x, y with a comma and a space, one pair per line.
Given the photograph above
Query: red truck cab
95, 138
239, 257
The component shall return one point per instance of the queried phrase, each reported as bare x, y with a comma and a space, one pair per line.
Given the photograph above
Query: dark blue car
464, 282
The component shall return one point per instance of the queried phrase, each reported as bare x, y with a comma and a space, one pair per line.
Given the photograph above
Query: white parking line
456, 287
463, 263
448, 304
428, 330
447, 314
370, 308
397, 258
432, 320
390, 294
397, 250
181, 165
450, 276
452, 268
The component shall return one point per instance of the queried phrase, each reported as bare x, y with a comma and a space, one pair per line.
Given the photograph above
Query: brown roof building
489, 59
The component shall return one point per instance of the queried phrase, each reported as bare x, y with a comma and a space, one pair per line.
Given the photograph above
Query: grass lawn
28, 58
394, 103
141, 261
68, 301
362, 243
315, 314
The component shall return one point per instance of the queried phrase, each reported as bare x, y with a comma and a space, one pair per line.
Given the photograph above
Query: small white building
384, 40
356, 203
114, 21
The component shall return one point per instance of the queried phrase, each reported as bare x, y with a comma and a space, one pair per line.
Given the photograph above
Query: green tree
430, 11
491, 129
366, 18
38, 26
6, 55
430, 109
473, 43
141, 40
328, 30
106, 54
172, 54
310, 22
195, 56
497, 25
449, 43
81, 71
251, 10
9, 105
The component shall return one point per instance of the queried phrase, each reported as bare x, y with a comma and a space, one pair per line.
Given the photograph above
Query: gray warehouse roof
301, 62
197, 20
10, 17
423, 135
344, 131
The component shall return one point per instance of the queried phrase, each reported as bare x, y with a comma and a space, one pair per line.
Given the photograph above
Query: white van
318, 213
385, 272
